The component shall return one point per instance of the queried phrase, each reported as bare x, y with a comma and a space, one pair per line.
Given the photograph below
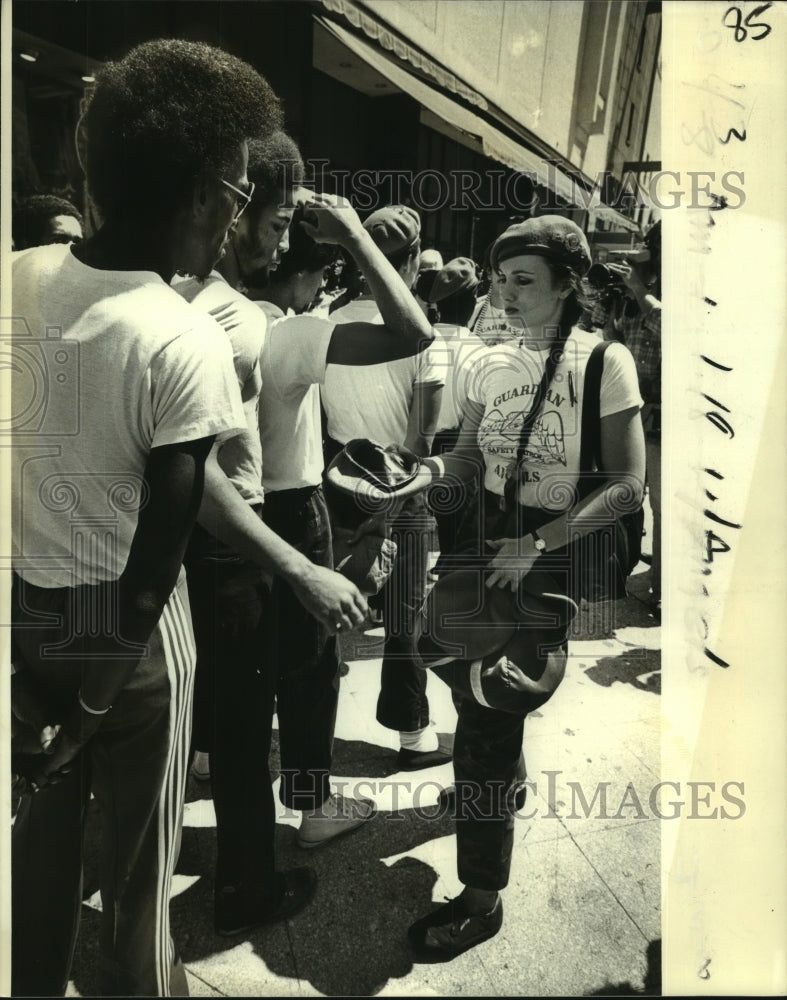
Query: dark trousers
402, 703
488, 770
488, 762
305, 658
135, 765
233, 707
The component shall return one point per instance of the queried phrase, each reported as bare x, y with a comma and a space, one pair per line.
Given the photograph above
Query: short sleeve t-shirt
457, 350
111, 364
504, 381
373, 401
293, 368
241, 456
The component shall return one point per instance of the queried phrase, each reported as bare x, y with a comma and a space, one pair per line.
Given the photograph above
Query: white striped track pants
135, 766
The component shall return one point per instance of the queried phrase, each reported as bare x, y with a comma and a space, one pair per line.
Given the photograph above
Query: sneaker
200, 767
236, 913
450, 929
338, 815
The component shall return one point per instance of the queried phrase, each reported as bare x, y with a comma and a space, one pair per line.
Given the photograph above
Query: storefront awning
494, 143
393, 43
612, 216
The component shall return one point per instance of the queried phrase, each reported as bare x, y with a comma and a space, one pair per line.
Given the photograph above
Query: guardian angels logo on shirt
499, 435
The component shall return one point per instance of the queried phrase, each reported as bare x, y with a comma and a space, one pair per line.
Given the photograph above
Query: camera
606, 285
602, 279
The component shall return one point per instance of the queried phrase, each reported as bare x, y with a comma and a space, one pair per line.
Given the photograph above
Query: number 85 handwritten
742, 26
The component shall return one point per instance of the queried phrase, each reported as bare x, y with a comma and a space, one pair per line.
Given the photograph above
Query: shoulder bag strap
590, 446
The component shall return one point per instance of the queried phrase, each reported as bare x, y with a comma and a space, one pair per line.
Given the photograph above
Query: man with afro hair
108, 478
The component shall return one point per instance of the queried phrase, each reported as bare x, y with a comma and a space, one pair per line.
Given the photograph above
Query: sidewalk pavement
582, 910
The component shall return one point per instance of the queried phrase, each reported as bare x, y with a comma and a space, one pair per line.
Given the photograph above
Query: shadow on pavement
639, 667
352, 938
650, 988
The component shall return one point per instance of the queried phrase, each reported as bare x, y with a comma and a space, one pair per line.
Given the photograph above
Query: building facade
474, 112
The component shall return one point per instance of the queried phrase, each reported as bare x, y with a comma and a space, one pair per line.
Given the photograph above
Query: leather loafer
451, 930
236, 913
417, 760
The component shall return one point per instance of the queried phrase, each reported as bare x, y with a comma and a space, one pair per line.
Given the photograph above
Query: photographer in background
629, 290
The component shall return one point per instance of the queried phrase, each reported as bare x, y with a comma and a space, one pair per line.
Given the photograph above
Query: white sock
422, 740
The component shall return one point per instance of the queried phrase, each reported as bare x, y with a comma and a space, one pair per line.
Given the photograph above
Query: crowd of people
175, 582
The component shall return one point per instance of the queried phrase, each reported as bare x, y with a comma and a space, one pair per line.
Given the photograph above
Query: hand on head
329, 218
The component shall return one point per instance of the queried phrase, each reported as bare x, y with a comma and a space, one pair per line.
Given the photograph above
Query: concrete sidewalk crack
205, 982
292, 956
609, 888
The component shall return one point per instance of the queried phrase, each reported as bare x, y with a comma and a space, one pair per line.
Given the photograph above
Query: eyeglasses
245, 195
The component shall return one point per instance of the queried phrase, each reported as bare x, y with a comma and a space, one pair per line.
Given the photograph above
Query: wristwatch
538, 543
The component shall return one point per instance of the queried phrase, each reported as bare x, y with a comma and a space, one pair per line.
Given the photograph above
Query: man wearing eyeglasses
106, 483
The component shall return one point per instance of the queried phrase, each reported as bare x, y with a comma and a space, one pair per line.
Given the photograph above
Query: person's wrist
356, 240
538, 543
299, 572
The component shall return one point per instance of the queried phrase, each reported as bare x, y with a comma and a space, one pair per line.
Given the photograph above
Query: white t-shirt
244, 324
457, 350
110, 364
362, 310
373, 401
293, 368
504, 381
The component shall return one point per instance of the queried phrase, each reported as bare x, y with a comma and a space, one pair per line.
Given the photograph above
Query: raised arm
333, 220
649, 305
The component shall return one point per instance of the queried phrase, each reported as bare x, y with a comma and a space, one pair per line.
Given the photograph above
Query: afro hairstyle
275, 166
31, 217
162, 115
